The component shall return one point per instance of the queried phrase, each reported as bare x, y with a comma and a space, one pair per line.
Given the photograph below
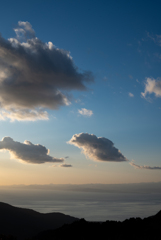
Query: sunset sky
80, 92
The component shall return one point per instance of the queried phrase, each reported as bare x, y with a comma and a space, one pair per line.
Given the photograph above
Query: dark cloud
144, 167
35, 75
65, 165
27, 151
97, 148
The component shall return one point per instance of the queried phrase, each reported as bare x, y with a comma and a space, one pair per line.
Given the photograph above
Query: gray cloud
144, 167
65, 165
35, 76
27, 151
97, 148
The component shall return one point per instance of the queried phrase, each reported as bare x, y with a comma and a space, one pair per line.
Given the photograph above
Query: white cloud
131, 94
152, 86
35, 76
23, 115
85, 112
27, 151
97, 148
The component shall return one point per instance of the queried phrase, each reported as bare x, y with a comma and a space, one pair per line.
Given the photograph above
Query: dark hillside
26, 223
130, 229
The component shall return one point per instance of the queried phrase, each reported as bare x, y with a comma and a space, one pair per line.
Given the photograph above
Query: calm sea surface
92, 202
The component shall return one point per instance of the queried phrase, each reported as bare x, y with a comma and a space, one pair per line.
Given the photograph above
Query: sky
80, 92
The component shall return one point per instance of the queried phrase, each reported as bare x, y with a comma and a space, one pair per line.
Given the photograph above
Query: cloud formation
97, 148
85, 112
35, 76
144, 167
27, 151
152, 86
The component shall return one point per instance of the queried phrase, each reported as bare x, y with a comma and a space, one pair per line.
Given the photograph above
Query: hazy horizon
94, 202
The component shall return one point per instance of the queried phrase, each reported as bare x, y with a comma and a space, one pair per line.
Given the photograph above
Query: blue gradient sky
120, 43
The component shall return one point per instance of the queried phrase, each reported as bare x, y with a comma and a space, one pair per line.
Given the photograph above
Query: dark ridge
130, 229
24, 223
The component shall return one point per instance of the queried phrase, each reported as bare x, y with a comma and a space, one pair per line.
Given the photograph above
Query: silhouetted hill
25, 223
130, 229
31, 225
156, 216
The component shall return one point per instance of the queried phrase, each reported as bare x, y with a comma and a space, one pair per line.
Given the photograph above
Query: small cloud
137, 81
131, 94
97, 148
144, 167
27, 151
23, 115
85, 112
152, 86
65, 165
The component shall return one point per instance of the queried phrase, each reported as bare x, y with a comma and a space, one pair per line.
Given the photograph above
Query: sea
93, 202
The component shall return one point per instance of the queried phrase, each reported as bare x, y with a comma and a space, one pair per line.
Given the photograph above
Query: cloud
152, 86
27, 151
97, 148
35, 76
131, 94
24, 30
85, 112
24, 115
144, 167
65, 165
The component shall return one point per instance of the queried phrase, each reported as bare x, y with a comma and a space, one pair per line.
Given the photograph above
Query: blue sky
119, 43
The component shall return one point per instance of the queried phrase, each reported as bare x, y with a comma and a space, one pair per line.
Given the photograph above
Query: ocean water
91, 202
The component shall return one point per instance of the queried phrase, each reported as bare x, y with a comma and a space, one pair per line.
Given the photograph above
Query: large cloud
27, 151
97, 148
152, 86
35, 76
